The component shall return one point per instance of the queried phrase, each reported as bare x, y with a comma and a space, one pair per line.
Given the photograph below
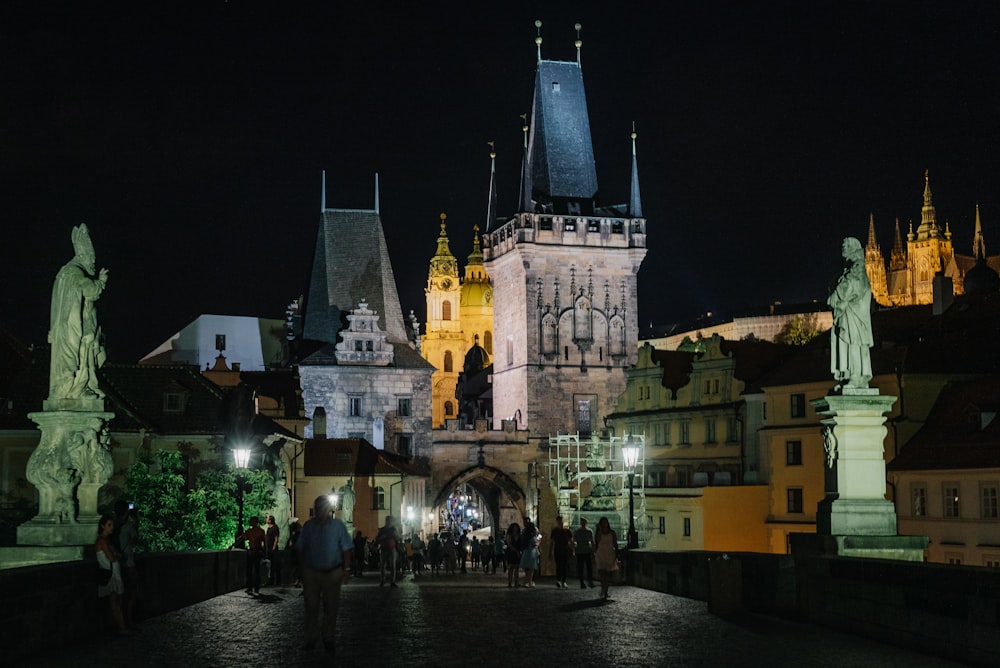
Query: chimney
319, 422
944, 294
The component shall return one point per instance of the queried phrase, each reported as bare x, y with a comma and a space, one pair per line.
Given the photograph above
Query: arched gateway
503, 497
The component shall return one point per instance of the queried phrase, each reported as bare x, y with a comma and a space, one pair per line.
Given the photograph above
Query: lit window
378, 499
951, 507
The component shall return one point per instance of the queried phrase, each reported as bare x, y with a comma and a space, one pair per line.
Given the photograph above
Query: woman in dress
108, 559
512, 553
529, 553
605, 554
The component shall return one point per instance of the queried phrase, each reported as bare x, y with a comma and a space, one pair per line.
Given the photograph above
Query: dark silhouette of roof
962, 431
355, 457
350, 265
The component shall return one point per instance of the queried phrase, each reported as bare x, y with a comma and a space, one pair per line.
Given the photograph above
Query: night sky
191, 141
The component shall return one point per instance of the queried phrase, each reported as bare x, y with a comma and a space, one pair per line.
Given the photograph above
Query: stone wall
41, 606
949, 611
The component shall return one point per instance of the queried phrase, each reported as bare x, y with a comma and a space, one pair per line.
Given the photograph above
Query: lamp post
241, 457
630, 453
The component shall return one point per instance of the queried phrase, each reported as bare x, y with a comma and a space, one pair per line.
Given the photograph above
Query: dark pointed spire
491, 207
978, 242
634, 201
525, 198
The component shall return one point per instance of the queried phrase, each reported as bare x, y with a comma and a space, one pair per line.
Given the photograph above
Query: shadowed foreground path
472, 621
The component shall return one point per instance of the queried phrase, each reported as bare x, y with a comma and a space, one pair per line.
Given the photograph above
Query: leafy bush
173, 517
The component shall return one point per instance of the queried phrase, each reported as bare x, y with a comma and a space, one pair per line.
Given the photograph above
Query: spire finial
322, 193
491, 204
538, 39
376, 192
443, 217
579, 43
635, 201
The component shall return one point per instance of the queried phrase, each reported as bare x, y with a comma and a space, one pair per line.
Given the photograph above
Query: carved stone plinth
70, 464
855, 519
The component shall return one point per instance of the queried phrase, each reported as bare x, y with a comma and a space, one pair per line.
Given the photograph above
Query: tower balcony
564, 230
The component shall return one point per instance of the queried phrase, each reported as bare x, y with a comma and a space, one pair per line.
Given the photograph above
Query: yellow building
459, 316
700, 414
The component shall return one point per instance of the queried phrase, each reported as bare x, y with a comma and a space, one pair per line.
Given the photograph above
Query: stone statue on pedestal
72, 460
851, 338
347, 499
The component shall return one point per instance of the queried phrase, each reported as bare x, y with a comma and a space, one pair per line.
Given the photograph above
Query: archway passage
499, 500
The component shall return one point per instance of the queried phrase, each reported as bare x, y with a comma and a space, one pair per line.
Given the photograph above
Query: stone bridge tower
564, 272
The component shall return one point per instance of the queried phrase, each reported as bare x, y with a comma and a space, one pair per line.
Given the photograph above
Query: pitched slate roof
954, 436
350, 265
353, 457
561, 150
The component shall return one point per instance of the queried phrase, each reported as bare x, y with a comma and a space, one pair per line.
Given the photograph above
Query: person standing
325, 550
418, 555
111, 586
498, 549
256, 537
584, 539
529, 553
605, 554
272, 552
125, 537
560, 543
294, 529
360, 543
463, 550
386, 540
513, 553
435, 553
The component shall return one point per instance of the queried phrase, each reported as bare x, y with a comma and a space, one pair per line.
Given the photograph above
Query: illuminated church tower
928, 252
442, 344
564, 272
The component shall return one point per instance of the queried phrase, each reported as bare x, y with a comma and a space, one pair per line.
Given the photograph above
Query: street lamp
630, 453
241, 457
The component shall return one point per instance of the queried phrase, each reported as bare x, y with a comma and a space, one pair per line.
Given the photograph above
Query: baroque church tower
564, 273
441, 344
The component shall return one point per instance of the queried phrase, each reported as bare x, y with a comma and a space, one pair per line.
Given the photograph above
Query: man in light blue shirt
325, 549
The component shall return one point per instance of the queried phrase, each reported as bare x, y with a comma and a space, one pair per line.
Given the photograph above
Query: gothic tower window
448, 364
449, 408
446, 310
549, 342
488, 341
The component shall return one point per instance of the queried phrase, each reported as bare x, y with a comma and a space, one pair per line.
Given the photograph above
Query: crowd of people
322, 556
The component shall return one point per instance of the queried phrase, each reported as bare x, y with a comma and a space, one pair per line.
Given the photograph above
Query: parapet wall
948, 611
57, 604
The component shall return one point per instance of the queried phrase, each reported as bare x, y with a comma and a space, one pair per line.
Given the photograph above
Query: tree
174, 517
798, 331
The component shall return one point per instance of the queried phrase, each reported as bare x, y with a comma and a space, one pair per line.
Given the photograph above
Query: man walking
325, 549
386, 541
272, 551
584, 539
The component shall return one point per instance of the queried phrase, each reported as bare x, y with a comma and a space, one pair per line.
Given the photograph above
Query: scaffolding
591, 481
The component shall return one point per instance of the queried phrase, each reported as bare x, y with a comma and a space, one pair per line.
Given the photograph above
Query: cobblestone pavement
475, 620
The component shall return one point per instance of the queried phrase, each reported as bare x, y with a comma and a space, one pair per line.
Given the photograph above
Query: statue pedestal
70, 464
855, 518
